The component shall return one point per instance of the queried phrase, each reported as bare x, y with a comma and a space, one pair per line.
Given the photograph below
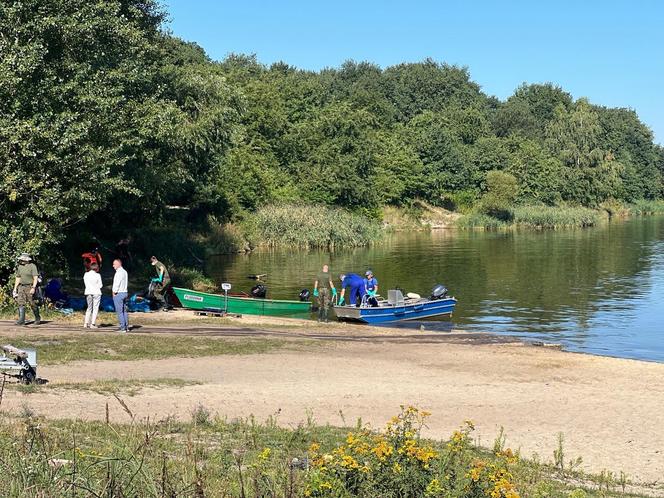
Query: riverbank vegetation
210, 456
108, 123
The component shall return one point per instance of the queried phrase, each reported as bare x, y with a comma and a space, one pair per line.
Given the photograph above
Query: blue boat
397, 307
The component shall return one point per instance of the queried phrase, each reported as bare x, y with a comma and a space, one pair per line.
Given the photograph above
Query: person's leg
20, 301
89, 299
118, 304
325, 294
125, 313
159, 295
320, 304
35, 310
96, 300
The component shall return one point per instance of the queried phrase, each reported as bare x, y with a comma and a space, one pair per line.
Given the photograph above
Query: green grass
56, 349
555, 217
645, 207
128, 387
309, 227
479, 220
537, 217
211, 456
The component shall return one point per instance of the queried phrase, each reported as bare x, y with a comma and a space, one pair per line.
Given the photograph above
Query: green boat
241, 305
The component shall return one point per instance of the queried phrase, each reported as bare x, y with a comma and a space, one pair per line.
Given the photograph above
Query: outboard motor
305, 295
259, 291
439, 292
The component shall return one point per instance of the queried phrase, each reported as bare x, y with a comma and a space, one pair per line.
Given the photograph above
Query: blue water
597, 290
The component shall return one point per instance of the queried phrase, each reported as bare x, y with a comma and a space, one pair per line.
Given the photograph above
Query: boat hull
394, 313
241, 305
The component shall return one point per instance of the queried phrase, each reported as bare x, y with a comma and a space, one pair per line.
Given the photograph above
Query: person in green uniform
161, 282
25, 285
325, 291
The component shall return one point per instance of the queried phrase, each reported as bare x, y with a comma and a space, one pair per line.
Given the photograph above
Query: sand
610, 411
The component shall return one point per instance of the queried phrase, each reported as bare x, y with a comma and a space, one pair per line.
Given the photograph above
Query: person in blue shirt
370, 284
356, 292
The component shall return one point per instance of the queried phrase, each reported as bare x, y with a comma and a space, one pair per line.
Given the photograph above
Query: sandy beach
610, 411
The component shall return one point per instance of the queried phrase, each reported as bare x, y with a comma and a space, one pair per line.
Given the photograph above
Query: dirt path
610, 411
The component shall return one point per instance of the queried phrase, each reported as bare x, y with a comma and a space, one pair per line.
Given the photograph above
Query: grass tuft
310, 227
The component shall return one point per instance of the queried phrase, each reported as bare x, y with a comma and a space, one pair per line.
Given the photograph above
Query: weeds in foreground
214, 457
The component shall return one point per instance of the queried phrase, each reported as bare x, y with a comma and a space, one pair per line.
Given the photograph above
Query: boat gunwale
250, 299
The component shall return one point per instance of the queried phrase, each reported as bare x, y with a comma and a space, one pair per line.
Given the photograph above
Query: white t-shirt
120, 280
92, 281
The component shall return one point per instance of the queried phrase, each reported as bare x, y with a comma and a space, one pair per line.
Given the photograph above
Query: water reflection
598, 290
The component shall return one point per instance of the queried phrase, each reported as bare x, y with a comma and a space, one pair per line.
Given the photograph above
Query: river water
597, 290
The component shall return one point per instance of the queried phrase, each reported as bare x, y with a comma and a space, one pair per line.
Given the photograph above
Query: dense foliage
104, 116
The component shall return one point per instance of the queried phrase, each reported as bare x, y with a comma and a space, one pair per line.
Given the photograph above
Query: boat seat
395, 297
413, 295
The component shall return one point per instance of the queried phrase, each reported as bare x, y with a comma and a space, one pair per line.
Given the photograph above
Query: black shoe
21, 316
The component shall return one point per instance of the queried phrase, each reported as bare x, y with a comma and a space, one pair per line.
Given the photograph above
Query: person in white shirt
120, 280
93, 285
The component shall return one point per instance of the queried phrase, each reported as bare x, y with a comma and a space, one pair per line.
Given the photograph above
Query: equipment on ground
305, 295
18, 363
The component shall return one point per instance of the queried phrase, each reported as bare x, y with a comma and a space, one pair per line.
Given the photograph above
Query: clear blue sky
609, 51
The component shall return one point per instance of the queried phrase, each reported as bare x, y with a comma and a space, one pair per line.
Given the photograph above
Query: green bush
191, 278
646, 207
555, 217
309, 227
481, 220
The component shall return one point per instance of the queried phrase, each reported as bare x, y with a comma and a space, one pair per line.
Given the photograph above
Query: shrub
555, 217
644, 207
480, 220
398, 462
191, 278
309, 227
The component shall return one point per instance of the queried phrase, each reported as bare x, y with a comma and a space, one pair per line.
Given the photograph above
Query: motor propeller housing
439, 292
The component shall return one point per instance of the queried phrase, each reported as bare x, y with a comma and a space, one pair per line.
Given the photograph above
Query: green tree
99, 108
592, 175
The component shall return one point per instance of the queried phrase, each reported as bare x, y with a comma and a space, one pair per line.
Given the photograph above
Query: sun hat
24, 257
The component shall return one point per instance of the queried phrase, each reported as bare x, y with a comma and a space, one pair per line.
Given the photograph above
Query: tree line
107, 119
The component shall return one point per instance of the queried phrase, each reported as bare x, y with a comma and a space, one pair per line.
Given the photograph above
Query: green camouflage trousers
160, 290
25, 298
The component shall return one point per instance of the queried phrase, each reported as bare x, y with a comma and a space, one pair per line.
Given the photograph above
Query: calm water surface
598, 290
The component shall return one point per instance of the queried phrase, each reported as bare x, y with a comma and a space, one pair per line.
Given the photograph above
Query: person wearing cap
25, 285
355, 283
370, 284
161, 282
325, 291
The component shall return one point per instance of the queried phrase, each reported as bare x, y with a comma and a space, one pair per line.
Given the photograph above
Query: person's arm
35, 280
17, 281
375, 286
116, 283
100, 284
316, 288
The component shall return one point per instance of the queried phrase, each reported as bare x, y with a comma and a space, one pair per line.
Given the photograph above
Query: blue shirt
370, 283
352, 280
